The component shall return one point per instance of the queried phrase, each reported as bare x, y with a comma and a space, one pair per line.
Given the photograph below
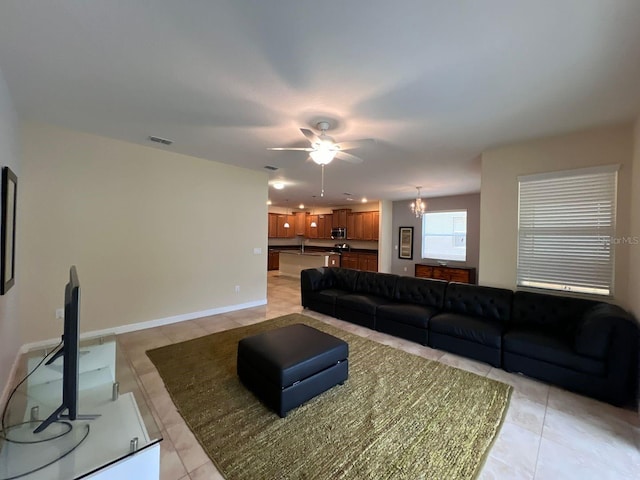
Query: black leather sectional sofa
586, 346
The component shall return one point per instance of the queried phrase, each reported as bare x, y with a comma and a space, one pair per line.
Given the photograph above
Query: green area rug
398, 416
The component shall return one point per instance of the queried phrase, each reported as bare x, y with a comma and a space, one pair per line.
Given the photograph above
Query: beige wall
154, 234
499, 199
634, 249
10, 340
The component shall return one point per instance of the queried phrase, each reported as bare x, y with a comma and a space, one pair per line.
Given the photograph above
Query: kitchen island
292, 262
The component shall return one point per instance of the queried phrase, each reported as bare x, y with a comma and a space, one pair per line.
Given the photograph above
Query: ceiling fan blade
312, 137
306, 149
347, 157
355, 143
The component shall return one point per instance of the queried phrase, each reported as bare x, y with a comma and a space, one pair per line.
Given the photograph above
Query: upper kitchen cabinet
281, 230
326, 221
340, 218
300, 223
273, 225
363, 225
313, 232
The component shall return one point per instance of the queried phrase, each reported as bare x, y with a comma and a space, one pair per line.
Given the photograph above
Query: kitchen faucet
301, 244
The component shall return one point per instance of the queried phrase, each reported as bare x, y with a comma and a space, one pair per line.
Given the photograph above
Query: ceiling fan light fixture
322, 157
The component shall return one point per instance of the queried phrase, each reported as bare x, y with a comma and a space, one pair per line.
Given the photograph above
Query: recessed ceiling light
268, 202
364, 199
301, 206
278, 185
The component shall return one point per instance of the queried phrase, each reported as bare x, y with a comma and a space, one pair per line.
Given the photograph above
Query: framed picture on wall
405, 244
8, 230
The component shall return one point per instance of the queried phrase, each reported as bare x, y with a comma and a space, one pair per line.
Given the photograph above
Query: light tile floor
548, 433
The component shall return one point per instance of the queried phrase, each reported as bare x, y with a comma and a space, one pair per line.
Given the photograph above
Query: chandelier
418, 207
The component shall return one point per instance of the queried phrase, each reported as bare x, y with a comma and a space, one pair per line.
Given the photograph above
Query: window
444, 235
566, 223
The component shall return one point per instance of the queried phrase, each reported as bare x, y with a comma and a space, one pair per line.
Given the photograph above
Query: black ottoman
290, 365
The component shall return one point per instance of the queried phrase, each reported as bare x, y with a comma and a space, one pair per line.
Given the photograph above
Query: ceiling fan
324, 148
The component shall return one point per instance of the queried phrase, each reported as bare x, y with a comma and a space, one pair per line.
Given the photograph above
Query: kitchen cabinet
360, 261
368, 262
273, 262
363, 225
300, 224
312, 232
355, 226
450, 274
328, 225
273, 225
349, 260
282, 231
339, 218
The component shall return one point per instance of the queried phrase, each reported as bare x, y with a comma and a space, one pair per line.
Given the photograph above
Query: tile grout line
544, 420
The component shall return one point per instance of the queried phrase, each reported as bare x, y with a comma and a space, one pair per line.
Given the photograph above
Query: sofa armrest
314, 279
594, 331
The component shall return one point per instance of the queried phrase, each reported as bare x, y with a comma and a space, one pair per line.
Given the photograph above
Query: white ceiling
433, 82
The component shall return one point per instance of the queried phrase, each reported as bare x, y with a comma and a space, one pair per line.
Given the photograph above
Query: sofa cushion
473, 300
361, 303
420, 291
475, 329
545, 346
550, 312
378, 284
327, 296
595, 329
414, 315
344, 278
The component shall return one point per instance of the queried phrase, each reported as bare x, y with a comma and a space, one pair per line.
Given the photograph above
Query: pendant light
418, 207
286, 223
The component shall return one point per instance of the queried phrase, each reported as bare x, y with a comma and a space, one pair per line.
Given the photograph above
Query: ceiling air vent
163, 141
269, 167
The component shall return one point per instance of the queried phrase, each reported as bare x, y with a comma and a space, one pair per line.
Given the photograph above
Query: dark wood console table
451, 274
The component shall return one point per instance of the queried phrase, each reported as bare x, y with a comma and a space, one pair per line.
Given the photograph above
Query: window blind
566, 224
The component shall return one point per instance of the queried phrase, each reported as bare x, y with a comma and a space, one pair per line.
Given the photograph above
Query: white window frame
566, 227
424, 253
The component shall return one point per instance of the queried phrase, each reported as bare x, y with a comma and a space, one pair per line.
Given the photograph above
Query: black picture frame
405, 243
8, 230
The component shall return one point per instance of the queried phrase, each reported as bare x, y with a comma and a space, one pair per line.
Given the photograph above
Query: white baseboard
10, 381
144, 325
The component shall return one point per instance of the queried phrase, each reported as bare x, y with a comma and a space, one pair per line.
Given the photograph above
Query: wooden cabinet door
349, 260
273, 225
312, 232
291, 231
372, 263
358, 226
424, 271
375, 225
281, 231
321, 220
340, 218
368, 262
274, 261
328, 225
301, 223
367, 225
351, 226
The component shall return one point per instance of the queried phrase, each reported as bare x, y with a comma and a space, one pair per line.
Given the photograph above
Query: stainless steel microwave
338, 233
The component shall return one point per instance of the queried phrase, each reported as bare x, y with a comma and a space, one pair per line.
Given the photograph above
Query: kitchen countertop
311, 254
314, 249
